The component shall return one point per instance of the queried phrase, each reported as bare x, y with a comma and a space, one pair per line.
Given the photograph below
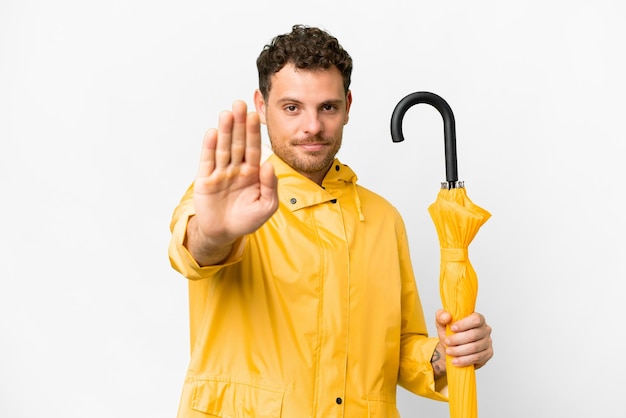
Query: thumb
269, 184
442, 319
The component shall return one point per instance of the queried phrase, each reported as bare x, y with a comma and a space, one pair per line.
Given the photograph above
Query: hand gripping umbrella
457, 220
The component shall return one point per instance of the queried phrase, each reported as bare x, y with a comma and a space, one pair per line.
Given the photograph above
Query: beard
308, 162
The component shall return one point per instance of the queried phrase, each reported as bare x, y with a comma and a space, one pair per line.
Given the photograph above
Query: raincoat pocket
231, 399
381, 408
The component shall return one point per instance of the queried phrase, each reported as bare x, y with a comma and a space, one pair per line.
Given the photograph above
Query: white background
103, 105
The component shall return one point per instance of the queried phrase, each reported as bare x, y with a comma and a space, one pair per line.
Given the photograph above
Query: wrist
205, 250
438, 362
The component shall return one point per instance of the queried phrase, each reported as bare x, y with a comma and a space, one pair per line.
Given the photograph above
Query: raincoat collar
296, 191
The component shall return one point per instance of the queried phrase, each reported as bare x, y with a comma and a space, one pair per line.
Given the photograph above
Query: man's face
305, 113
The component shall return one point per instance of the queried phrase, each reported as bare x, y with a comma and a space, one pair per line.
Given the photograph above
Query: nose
312, 125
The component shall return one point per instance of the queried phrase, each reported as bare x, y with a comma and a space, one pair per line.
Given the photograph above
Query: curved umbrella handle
448, 127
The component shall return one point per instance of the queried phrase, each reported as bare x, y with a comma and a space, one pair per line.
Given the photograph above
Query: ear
348, 104
259, 105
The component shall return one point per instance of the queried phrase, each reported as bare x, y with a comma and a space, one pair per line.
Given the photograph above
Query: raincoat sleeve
416, 348
180, 258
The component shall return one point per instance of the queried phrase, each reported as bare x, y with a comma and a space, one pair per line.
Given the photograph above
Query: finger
477, 340
238, 142
207, 155
253, 142
224, 138
477, 351
474, 357
474, 320
481, 335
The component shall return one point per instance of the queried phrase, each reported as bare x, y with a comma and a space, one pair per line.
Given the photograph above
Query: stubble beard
311, 163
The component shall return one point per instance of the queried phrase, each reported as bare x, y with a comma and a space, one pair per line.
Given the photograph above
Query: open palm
233, 193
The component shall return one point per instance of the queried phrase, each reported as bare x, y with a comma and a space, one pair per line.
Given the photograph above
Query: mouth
312, 146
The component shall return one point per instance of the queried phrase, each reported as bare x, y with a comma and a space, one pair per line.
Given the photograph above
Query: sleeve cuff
182, 261
416, 372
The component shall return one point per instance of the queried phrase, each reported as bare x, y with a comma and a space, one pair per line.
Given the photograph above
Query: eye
328, 107
291, 108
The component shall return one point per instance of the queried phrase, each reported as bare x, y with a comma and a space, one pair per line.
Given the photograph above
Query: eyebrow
288, 99
324, 102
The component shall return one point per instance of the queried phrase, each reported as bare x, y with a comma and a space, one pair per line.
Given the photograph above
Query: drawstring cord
357, 201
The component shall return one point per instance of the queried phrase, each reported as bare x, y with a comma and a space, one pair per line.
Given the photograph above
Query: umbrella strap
454, 254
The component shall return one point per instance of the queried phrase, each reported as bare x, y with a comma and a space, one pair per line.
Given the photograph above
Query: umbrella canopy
457, 220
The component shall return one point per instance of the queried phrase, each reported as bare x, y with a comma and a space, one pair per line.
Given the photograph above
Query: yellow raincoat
316, 314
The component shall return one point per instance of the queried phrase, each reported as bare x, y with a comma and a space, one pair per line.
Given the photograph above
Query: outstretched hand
470, 343
233, 193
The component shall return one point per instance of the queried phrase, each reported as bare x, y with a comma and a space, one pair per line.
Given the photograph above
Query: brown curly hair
305, 47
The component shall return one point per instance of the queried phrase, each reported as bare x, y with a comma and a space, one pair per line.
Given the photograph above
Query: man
302, 297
